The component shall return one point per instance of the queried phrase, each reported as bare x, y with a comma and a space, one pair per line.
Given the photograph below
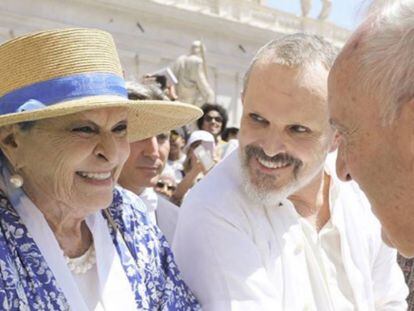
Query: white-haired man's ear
335, 142
405, 119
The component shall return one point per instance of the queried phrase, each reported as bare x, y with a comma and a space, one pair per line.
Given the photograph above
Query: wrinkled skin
52, 155
380, 157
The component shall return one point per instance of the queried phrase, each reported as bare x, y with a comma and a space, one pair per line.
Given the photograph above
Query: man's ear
335, 142
8, 142
403, 124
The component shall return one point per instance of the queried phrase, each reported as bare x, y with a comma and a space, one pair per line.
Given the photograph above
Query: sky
345, 13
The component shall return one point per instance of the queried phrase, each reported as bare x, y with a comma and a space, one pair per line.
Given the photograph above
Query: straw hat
59, 72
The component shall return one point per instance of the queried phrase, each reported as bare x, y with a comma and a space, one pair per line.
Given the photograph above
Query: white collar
150, 198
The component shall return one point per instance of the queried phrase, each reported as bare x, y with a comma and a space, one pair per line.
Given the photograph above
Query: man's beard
264, 190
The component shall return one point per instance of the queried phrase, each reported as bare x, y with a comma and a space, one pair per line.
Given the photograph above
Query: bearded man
271, 227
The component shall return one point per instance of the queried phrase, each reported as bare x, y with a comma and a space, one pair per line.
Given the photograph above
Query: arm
188, 181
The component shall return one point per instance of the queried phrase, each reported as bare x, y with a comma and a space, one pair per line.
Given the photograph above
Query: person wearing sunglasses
165, 186
214, 121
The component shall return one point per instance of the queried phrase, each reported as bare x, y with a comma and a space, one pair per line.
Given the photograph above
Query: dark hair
213, 107
182, 132
138, 91
229, 131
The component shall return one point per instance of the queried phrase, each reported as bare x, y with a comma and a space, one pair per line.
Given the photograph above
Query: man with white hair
241, 245
371, 104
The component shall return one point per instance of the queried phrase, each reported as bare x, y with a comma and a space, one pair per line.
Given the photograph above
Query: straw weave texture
57, 53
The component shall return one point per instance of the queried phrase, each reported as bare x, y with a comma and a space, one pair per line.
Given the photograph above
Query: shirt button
299, 248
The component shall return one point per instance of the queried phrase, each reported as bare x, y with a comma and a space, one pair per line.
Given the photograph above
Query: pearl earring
16, 180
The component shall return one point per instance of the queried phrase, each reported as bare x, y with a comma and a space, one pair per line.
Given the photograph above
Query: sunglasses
162, 185
210, 119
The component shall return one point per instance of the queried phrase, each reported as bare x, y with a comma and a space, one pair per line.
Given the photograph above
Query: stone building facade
151, 34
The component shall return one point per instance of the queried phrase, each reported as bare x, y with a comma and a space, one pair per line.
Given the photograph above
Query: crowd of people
116, 196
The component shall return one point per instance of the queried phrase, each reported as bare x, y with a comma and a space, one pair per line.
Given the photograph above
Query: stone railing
261, 16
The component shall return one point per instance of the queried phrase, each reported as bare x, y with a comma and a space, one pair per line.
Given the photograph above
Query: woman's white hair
294, 50
386, 64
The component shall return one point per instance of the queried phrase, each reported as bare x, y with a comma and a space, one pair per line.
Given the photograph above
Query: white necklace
83, 263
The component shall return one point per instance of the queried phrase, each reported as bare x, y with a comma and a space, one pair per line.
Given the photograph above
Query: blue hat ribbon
54, 91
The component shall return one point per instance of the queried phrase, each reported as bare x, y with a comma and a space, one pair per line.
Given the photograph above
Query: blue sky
345, 13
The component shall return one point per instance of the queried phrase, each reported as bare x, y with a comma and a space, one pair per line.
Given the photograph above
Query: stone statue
306, 6
191, 73
326, 10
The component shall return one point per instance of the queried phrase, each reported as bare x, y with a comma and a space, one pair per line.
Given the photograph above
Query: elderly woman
69, 238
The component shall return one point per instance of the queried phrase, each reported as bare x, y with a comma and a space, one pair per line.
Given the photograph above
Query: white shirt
162, 212
237, 255
329, 281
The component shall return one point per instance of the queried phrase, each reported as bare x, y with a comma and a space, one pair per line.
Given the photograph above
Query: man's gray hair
294, 51
386, 62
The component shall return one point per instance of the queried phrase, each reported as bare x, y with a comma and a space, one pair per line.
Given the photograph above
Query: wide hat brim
146, 118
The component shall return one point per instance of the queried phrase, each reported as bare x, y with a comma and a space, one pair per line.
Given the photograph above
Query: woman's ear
8, 142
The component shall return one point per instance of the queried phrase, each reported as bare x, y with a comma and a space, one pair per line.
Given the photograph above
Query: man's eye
84, 129
299, 129
257, 118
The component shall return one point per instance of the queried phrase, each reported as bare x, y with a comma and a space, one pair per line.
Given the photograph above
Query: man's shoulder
218, 196
220, 183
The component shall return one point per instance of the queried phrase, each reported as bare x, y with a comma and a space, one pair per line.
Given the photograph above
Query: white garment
228, 148
237, 255
177, 167
162, 212
115, 292
89, 292
329, 281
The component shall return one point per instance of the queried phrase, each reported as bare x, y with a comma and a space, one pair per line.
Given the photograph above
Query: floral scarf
27, 283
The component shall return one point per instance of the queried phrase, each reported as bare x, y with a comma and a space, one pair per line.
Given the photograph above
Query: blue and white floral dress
28, 283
